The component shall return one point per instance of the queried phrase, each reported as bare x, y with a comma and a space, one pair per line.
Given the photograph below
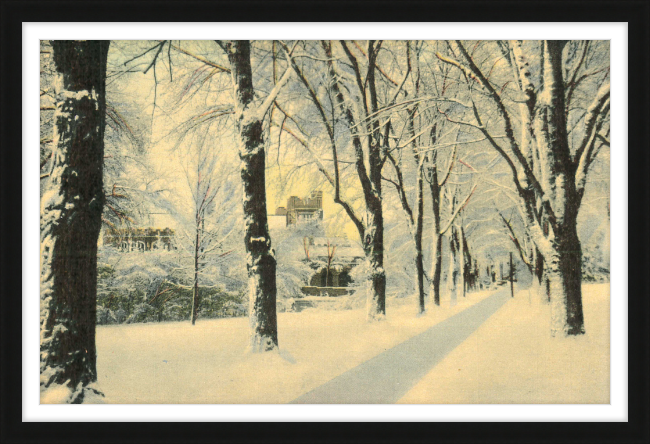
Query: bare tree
414, 214
437, 188
261, 259
71, 210
436, 171
357, 103
548, 168
206, 172
370, 228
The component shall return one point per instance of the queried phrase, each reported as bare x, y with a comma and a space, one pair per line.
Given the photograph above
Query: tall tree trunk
436, 237
195, 292
565, 279
564, 259
462, 275
436, 267
545, 289
71, 210
372, 235
452, 277
419, 267
540, 280
375, 229
374, 249
261, 262
419, 224
538, 266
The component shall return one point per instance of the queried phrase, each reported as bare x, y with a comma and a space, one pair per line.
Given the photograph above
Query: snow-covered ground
511, 358
177, 363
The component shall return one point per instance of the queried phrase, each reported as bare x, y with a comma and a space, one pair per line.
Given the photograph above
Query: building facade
139, 239
303, 210
298, 210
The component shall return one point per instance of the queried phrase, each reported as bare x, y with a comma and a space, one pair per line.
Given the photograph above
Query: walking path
388, 376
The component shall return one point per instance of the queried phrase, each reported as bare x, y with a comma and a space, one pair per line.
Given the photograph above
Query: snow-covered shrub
399, 259
359, 276
120, 315
216, 302
105, 316
294, 268
595, 266
153, 286
176, 312
351, 302
143, 313
233, 309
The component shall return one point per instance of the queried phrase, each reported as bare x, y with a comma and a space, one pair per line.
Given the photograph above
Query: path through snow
388, 376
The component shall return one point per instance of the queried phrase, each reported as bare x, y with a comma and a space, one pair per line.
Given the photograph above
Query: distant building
299, 210
332, 259
139, 239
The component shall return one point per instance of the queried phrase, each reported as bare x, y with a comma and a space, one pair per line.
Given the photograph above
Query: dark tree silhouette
71, 210
261, 263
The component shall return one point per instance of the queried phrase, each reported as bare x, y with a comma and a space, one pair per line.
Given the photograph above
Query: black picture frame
14, 13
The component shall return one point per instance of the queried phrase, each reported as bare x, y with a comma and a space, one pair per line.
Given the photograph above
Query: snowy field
177, 363
510, 358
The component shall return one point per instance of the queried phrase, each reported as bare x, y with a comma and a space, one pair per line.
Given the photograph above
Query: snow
77, 95
56, 394
512, 358
62, 394
177, 363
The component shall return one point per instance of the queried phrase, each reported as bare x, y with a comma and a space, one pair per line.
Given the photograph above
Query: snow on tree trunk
452, 277
71, 210
374, 249
545, 289
195, 290
436, 267
565, 279
419, 266
540, 284
372, 235
261, 263
564, 259
436, 237
419, 226
461, 259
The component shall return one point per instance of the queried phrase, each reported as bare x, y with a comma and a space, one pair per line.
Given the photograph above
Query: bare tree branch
458, 210
596, 108
200, 59
515, 241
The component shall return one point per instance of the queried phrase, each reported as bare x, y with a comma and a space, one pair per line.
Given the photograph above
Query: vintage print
325, 222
